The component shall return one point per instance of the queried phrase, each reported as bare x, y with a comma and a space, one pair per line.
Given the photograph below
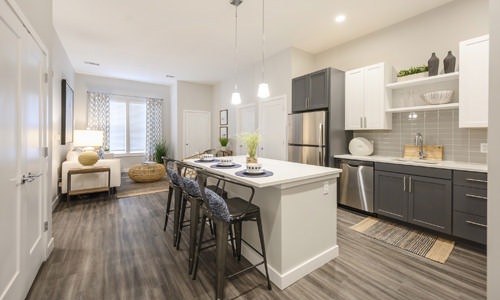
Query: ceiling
194, 40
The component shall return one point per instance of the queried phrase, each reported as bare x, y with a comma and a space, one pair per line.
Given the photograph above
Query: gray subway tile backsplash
438, 128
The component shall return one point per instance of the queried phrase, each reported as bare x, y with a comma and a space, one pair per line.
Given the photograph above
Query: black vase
433, 64
449, 63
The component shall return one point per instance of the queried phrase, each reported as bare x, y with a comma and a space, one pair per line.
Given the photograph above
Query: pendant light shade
235, 98
263, 91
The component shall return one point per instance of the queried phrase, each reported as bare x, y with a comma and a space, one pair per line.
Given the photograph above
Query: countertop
284, 172
445, 164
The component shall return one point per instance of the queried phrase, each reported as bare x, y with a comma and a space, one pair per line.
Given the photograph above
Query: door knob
29, 178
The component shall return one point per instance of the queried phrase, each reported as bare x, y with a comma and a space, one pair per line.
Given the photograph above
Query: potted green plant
223, 142
251, 140
412, 73
161, 149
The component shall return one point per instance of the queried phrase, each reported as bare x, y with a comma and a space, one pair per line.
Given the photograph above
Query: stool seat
148, 172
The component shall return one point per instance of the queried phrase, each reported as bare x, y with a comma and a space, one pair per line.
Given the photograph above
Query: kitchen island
298, 206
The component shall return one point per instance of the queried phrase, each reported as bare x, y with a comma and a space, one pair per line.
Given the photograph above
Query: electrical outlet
483, 147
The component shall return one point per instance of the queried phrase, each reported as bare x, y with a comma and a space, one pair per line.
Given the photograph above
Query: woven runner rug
418, 242
130, 188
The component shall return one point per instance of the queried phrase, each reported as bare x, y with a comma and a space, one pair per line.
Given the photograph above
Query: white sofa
84, 181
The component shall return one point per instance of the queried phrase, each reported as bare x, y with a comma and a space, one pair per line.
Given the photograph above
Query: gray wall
494, 160
410, 43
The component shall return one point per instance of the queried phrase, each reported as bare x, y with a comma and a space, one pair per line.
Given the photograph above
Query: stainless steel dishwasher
356, 184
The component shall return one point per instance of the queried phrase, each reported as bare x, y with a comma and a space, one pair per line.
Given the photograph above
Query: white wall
192, 96
494, 159
84, 83
410, 43
278, 74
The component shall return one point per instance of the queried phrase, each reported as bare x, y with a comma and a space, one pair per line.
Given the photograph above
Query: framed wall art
67, 98
223, 132
223, 117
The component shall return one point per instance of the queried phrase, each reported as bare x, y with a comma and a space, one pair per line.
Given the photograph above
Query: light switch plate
483, 147
325, 188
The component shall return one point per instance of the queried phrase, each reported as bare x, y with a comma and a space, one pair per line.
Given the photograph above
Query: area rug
418, 242
130, 188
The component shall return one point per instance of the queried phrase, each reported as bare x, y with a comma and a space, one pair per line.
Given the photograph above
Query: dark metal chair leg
221, 245
177, 211
181, 221
194, 212
237, 237
263, 247
198, 247
169, 202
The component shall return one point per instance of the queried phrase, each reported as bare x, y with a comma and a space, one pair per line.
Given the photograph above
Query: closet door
22, 98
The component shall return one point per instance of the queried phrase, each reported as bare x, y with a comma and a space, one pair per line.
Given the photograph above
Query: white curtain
154, 126
98, 114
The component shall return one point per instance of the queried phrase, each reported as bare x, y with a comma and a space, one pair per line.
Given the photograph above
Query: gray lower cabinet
470, 205
417, 195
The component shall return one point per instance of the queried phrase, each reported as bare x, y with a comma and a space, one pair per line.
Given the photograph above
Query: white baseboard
284, 280
50, 247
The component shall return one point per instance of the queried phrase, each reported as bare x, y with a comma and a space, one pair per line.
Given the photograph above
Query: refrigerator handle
321, 143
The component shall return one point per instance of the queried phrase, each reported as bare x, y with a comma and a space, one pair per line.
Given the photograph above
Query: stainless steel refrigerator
307, 139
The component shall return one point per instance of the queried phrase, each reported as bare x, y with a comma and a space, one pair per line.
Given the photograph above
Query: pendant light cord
236, 47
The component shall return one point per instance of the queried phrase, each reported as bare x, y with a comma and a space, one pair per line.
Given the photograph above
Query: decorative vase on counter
449, 63
252, 159
433, 64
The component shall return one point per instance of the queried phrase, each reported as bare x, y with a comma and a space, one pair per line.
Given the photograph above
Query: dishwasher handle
357, 163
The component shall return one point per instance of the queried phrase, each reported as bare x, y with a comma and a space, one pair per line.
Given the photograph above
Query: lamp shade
88, 138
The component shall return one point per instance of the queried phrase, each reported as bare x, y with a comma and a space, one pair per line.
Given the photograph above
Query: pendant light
236, 97
263, 91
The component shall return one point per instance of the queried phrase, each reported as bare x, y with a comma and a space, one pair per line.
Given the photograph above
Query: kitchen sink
421, 161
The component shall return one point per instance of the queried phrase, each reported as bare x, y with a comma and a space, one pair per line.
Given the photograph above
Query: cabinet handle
364, 118
476, 196
477, 224
404, 183
360, 122
476, 180
409, 184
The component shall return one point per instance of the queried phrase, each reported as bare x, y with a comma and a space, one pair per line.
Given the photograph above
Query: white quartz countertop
445, 164
284, 172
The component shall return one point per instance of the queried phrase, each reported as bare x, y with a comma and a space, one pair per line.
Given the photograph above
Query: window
127, 120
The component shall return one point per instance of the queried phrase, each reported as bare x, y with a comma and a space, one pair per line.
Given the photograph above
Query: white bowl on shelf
360, 146
438, 97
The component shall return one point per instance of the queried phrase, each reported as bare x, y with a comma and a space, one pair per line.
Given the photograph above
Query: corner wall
494, 160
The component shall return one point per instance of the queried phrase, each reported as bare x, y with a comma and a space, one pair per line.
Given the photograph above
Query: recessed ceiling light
92, 63
169, 76
340, 18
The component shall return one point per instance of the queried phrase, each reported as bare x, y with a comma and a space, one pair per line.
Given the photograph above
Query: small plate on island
254, 172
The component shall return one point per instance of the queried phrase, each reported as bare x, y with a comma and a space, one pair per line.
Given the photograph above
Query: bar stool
175, 188
191, 194
225, 213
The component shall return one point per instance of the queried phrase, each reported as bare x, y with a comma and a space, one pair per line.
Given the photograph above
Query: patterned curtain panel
98, 114
154, 126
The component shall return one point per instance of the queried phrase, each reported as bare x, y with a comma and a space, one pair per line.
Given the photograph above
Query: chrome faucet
419, 141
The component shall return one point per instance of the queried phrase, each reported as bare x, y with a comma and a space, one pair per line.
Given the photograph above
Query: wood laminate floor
116, 249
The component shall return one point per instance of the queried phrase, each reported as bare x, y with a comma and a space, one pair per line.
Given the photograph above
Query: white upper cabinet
366, 98
473, 83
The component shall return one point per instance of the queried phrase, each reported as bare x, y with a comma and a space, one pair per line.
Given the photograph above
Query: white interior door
31, 116
10, 217
197, 128
22, 96
246, 122
272, 126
